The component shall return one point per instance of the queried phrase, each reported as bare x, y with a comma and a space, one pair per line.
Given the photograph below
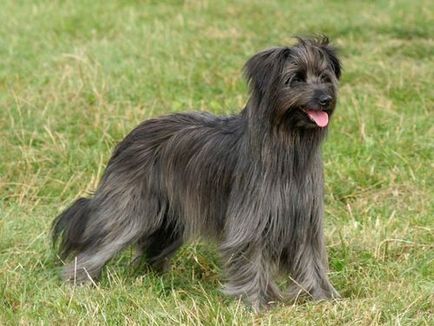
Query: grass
76, 76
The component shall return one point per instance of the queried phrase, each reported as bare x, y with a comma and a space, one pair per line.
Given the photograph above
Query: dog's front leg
308, 268
249, 273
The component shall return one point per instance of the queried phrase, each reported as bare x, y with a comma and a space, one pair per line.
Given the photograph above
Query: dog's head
295, 86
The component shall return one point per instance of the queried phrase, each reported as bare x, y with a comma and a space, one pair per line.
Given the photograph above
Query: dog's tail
68, 228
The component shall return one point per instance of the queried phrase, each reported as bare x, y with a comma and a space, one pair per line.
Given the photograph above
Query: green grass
76, 76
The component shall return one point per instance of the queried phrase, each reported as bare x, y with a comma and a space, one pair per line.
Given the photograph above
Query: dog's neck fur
288, 168
296, 149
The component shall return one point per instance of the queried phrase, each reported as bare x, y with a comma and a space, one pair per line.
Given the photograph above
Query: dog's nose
324, 100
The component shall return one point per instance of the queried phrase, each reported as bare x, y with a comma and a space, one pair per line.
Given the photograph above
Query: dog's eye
326, 79
294, 80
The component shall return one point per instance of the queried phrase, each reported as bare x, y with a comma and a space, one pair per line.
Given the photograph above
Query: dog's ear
264, 67
330, 52
333, 59
322, 42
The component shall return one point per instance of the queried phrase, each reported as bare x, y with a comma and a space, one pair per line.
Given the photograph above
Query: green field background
76, 76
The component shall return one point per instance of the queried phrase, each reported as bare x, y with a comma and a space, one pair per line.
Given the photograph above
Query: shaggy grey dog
252, 181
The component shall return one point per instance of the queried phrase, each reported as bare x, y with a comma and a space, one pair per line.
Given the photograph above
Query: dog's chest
300, 192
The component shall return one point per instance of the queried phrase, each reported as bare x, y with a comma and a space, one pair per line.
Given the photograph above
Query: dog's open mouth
321, 118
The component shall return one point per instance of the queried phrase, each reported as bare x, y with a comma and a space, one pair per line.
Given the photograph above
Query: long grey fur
252, 181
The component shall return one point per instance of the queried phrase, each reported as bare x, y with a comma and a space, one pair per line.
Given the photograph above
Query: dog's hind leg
161, 245
87, 265
114, 220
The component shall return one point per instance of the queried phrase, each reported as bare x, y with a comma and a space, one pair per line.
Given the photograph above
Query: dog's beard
298, 108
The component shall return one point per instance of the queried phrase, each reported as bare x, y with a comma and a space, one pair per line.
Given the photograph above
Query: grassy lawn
76, 76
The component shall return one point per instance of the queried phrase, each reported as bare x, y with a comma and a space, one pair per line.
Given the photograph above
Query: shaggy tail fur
69, 226
89, 231
93, 231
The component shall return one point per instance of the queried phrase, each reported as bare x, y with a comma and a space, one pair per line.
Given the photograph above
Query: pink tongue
321, 118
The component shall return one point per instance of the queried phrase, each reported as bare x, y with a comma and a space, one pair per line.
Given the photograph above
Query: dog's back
187, 161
